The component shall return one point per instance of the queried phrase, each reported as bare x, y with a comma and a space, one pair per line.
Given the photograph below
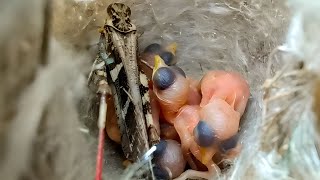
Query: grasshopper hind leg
102, 60
97, 69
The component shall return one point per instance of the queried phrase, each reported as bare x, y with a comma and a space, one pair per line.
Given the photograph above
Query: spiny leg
103, 58
103, 91
98, 77
99, 69
97, 65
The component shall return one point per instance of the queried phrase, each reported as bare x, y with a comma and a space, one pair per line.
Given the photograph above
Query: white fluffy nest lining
274, 45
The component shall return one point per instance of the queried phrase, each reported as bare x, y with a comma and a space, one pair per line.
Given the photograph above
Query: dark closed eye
230, 143
163, 78
153, 48
161, 148
168, 58
203, 134
160, 173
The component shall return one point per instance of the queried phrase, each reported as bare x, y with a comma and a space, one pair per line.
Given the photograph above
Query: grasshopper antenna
103, 91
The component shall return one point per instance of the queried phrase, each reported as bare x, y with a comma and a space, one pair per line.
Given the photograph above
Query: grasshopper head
120, 17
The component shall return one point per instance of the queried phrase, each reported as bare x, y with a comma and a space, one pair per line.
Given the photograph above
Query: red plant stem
99, 163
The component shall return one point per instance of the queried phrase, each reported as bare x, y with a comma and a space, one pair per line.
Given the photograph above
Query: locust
115, 72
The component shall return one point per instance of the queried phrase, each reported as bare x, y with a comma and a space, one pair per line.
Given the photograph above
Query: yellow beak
158, 63
206, 154
172, 48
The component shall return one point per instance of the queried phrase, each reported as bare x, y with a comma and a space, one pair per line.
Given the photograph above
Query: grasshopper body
117, 63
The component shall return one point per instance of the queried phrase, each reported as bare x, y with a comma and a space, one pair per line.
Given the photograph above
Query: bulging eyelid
204, 134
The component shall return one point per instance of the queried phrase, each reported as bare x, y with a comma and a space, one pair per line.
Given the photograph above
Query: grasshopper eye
203, 134
163, 78
168, 58
153, 48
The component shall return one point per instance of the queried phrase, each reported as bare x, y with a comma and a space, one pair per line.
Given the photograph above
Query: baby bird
220, 118
170, 87
168, 159
194, 97
169, 132
146, 59
228, 86
231, 143
210, 135
228, 149
224, 99
219, 121
186, 120
166, 53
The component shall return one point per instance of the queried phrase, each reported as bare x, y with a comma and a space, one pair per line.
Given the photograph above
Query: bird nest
47, 117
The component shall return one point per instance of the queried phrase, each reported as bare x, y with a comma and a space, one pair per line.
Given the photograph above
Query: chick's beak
158, 63
206, 154
172, 48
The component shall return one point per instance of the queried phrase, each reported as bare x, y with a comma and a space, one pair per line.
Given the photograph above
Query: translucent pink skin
173, 98
204, 158
169, 132
221, 117
229, 86
187, 118
173, 159
222, 100
194, 96
192, 174
225, 122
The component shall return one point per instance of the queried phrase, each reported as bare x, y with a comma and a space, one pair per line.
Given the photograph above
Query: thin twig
46, 32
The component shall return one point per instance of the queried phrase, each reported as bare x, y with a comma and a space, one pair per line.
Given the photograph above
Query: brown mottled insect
116, 67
